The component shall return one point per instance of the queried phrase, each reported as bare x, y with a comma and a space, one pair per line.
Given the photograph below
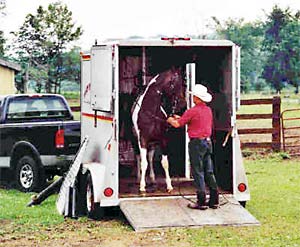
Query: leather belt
199, 138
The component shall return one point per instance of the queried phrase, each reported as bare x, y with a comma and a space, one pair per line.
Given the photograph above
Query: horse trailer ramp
166, 212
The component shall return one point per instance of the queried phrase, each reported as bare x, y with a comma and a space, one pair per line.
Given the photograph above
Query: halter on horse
149, 119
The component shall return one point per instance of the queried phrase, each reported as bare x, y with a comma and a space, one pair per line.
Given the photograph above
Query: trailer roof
169, 42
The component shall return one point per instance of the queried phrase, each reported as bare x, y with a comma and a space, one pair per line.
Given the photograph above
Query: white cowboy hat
200, 91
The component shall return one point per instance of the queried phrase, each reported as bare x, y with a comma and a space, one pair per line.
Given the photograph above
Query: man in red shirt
199, 120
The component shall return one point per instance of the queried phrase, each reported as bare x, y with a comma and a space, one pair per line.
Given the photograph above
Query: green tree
2, 7
2, 39
69, 69
71, 65
41, 41
249, 37
290, 45
2, 43
281, 43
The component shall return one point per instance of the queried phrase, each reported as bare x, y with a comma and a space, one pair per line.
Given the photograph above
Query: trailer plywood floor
169, 212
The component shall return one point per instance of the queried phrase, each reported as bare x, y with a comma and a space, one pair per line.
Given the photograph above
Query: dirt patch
108, 232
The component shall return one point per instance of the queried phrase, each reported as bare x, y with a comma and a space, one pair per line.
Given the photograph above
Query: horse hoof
169, 190
142, 192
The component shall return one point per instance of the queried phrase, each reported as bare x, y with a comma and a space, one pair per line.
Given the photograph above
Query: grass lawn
275, 202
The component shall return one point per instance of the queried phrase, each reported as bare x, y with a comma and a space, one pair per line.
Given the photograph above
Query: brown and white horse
149, 116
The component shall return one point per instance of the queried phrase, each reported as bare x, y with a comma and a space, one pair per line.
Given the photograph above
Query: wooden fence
275, 130
290, 125
75, 108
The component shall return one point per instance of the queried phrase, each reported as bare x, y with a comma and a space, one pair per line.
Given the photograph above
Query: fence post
276, 134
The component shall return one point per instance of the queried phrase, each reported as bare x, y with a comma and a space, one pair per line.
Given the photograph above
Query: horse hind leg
138, 168
150, 160
165, 165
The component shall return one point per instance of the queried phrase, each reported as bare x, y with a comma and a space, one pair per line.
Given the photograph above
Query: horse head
173, 89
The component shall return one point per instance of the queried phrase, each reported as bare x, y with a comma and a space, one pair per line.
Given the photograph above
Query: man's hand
170, 119
173, 122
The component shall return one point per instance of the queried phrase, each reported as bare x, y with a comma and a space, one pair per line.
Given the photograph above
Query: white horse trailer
112, 75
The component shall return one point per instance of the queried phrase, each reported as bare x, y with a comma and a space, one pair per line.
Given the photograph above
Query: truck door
102, 78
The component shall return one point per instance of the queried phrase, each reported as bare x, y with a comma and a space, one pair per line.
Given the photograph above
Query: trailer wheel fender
97, 173
94, 211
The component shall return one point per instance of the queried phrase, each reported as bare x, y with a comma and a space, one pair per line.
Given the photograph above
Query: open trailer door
102, 78
190, 84
168, 212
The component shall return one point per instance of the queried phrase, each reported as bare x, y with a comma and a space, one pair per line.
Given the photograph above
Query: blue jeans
200, 151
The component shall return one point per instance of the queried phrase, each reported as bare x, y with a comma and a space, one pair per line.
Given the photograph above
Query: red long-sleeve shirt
199, 120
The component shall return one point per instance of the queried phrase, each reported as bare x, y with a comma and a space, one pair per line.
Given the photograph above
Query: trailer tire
94, 211
29, 176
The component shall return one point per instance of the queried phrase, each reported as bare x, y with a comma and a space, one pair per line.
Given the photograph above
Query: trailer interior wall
137, 65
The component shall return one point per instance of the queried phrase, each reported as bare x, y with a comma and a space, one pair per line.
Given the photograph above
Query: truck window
21, 108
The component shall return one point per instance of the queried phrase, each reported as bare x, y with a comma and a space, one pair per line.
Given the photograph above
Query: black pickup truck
38, 139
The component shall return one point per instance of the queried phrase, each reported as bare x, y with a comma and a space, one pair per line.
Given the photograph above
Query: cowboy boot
214, 199
200, 204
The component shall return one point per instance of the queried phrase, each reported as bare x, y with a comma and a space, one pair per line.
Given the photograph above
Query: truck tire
29, 176
94, 211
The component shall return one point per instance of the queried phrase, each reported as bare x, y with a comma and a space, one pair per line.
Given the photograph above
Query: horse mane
142, 94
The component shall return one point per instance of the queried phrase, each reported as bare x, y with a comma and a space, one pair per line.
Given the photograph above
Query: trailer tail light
85, 57
60, 138
108, 192
242, 187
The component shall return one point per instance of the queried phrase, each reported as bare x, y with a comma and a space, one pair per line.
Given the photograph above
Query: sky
108, 19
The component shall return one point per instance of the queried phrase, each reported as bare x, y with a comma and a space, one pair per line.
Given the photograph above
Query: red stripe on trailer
105, 118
